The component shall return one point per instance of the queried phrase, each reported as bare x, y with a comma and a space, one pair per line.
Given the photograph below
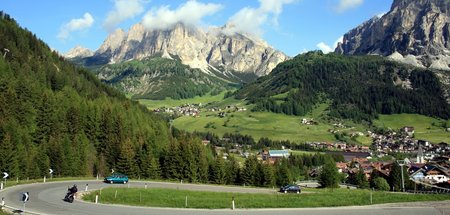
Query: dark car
290, 188
117, 178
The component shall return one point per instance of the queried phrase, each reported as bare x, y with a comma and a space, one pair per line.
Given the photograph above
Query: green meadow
285, 127
426, 128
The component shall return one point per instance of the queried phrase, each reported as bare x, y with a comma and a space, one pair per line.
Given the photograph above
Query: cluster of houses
309, 122
337, 146
228, 109
183, 110
433, 172
404, 143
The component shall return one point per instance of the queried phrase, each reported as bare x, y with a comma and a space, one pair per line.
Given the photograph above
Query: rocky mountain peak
113, 41
211, 49
78, 51
413, 31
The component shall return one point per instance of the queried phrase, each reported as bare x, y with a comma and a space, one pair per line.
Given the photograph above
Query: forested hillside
159, 78
54, 115
359, 87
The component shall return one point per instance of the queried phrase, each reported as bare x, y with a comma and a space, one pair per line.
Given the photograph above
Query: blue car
117, 178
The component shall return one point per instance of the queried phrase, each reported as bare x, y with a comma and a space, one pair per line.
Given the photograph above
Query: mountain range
413, 32
212, 50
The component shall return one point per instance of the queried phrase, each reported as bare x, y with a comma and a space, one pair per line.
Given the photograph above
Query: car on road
290, 188
116, 178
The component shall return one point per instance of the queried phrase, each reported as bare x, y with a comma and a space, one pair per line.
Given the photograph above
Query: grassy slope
283, 127
154, 104
424, 128
212, 200
257, 124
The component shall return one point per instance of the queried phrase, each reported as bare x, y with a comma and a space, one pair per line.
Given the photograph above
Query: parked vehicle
71, 191
290, 188
116, 178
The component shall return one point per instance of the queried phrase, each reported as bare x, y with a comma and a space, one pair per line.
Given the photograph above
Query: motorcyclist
70, 193
73, 189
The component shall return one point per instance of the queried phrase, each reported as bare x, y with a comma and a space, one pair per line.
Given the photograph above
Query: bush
380, 184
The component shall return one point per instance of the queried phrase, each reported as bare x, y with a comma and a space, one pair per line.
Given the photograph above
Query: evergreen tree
283, 175
329, 176
220, 176
126, 162
233, 171
42, 162
248, 174
361, 179
395, 177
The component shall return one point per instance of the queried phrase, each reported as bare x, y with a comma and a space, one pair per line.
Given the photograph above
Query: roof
278, 153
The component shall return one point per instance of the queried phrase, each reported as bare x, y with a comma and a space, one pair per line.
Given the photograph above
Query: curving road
46, 198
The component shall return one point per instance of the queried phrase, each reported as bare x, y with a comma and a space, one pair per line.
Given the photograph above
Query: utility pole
401, 163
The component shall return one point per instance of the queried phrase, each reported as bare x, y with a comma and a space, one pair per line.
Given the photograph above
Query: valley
284, 127
162, 94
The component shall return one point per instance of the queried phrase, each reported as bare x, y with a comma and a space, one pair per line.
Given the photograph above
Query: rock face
207, 50
79, 52
413, 31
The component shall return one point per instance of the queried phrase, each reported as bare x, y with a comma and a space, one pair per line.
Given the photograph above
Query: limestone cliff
413, 31
207, 50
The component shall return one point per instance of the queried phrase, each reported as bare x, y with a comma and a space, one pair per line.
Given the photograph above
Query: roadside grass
175, 198
426, 128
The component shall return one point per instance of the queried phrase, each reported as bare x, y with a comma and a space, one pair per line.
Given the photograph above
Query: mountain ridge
358, 87
214, 48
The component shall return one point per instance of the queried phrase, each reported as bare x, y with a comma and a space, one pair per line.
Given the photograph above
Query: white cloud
189, 13
123, 10
250, 20
326, 48
75, 25
348, 4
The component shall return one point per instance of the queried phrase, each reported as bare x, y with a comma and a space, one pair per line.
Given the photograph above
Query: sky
291, 26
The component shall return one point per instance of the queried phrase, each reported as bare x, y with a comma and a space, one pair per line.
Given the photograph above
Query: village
426, 164
194, 110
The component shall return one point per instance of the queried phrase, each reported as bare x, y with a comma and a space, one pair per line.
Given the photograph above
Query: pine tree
45, 121
126, 162
220, 176
361, 179
249, 170
233, 171
395, 177
329, 176
42, 162
283, 175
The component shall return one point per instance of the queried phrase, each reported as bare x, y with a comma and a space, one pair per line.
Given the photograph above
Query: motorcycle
71, 191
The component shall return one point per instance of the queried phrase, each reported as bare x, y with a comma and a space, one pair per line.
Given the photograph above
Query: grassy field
213, 200
426, 128
257, 124
284, 127
154, 104
296, 152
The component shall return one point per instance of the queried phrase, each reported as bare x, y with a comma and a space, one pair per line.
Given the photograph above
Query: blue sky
292, 26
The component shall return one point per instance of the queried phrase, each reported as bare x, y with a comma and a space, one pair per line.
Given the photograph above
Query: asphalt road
46, 198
